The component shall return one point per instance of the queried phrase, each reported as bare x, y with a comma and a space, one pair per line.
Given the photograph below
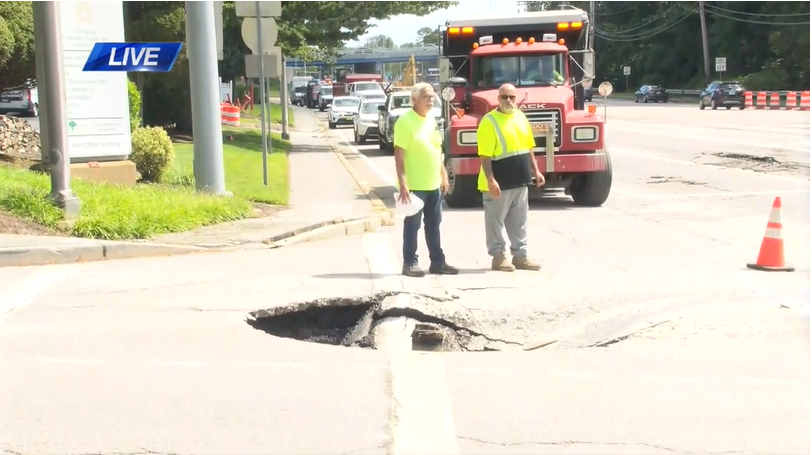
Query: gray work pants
508, 212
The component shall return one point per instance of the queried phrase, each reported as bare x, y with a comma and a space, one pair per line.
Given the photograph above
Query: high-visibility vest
502, 142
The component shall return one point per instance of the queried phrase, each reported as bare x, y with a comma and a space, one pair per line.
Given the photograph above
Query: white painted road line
29, 288
422, 419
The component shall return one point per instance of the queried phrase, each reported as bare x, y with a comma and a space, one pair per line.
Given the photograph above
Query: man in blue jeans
419, 165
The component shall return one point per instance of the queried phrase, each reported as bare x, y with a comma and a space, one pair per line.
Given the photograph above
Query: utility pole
283, 93
201, 49
50, 73
705, 50
592, 25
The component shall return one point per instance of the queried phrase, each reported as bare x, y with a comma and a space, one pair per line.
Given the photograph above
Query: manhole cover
436, 324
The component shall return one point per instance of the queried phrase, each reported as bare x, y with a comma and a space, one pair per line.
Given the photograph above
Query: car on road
312, 94
325, 97
717, 94
395, 105
22, 100
298, 95
653, 93
365, 121
342, 111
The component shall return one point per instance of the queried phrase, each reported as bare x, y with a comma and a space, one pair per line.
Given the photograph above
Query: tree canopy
16, 43
766, 44
311, 30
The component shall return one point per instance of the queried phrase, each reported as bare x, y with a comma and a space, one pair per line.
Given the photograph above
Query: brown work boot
522, 263
501, 264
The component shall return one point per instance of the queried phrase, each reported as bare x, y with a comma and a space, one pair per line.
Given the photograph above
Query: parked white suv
21, 100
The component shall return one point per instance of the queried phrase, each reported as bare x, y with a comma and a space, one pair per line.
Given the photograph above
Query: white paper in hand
414, 206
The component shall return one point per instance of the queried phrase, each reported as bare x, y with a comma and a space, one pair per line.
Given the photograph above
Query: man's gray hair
421, 89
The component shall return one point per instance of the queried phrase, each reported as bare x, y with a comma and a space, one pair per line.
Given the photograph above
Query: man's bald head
507, 89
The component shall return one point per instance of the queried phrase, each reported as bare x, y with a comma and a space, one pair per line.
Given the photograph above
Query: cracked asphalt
663, 341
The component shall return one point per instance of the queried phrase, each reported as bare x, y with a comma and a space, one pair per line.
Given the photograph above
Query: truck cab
547, 57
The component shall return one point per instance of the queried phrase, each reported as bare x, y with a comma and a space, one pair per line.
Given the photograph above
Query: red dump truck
483, 54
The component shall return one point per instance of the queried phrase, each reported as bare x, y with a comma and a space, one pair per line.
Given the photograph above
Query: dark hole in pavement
353, 322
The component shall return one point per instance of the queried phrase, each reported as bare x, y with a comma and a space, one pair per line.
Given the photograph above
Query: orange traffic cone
771, 255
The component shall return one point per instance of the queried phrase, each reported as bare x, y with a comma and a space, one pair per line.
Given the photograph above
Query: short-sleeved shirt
419, 138
516, 130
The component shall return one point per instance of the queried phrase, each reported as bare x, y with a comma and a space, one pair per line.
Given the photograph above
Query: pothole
438, 323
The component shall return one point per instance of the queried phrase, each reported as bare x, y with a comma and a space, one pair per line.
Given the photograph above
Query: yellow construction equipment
409, 76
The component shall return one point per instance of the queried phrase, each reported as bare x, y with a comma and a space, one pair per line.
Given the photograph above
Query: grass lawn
242, 155
276, 113
115, 213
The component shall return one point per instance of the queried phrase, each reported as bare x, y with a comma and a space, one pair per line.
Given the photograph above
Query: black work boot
444, 269
413, 271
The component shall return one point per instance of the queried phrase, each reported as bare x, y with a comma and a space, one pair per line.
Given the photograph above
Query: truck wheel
462, 190
331, 125
321, 108
592, 189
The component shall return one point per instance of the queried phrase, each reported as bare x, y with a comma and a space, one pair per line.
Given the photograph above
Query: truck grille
546, 116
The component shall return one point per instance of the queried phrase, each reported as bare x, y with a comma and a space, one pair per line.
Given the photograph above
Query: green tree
379, 41
428, 36
766, 44
16, 43
316, 29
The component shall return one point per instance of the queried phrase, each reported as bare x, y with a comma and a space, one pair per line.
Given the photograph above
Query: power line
730, 11
628, 39
620, 34
749, 21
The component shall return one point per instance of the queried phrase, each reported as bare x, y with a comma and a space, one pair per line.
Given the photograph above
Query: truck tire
462, 190
592, 189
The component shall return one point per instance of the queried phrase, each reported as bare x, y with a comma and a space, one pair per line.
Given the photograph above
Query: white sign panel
266, 9
97, 102
627, 70
226, 93
721, 64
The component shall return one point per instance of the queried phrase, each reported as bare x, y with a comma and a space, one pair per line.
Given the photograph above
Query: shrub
152, 153
240, 89
135, 105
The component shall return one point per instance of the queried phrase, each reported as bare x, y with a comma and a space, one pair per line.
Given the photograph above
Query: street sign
266, 9
272, 62
269, 33
721, 64
605, 89
627, 70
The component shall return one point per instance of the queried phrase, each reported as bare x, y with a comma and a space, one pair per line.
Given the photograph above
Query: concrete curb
374, 200
91, 252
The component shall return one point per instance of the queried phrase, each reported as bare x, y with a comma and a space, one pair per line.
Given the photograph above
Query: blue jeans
432, 216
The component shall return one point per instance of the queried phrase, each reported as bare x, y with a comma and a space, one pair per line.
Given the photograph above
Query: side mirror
589, 69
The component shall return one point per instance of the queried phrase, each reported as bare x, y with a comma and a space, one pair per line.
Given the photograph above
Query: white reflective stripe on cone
773, 233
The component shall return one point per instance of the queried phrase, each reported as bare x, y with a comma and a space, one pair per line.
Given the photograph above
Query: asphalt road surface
667, 343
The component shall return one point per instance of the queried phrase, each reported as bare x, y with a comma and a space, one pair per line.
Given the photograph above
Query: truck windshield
327, 91
522, 71
362, 86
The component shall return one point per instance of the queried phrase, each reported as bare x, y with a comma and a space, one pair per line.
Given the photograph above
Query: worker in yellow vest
505, 142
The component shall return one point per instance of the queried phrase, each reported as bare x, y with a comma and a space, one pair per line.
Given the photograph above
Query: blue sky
403, 29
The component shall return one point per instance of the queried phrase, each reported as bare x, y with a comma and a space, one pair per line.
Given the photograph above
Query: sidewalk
325, 201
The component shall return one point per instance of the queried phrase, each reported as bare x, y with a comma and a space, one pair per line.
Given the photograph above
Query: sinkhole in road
358, 322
